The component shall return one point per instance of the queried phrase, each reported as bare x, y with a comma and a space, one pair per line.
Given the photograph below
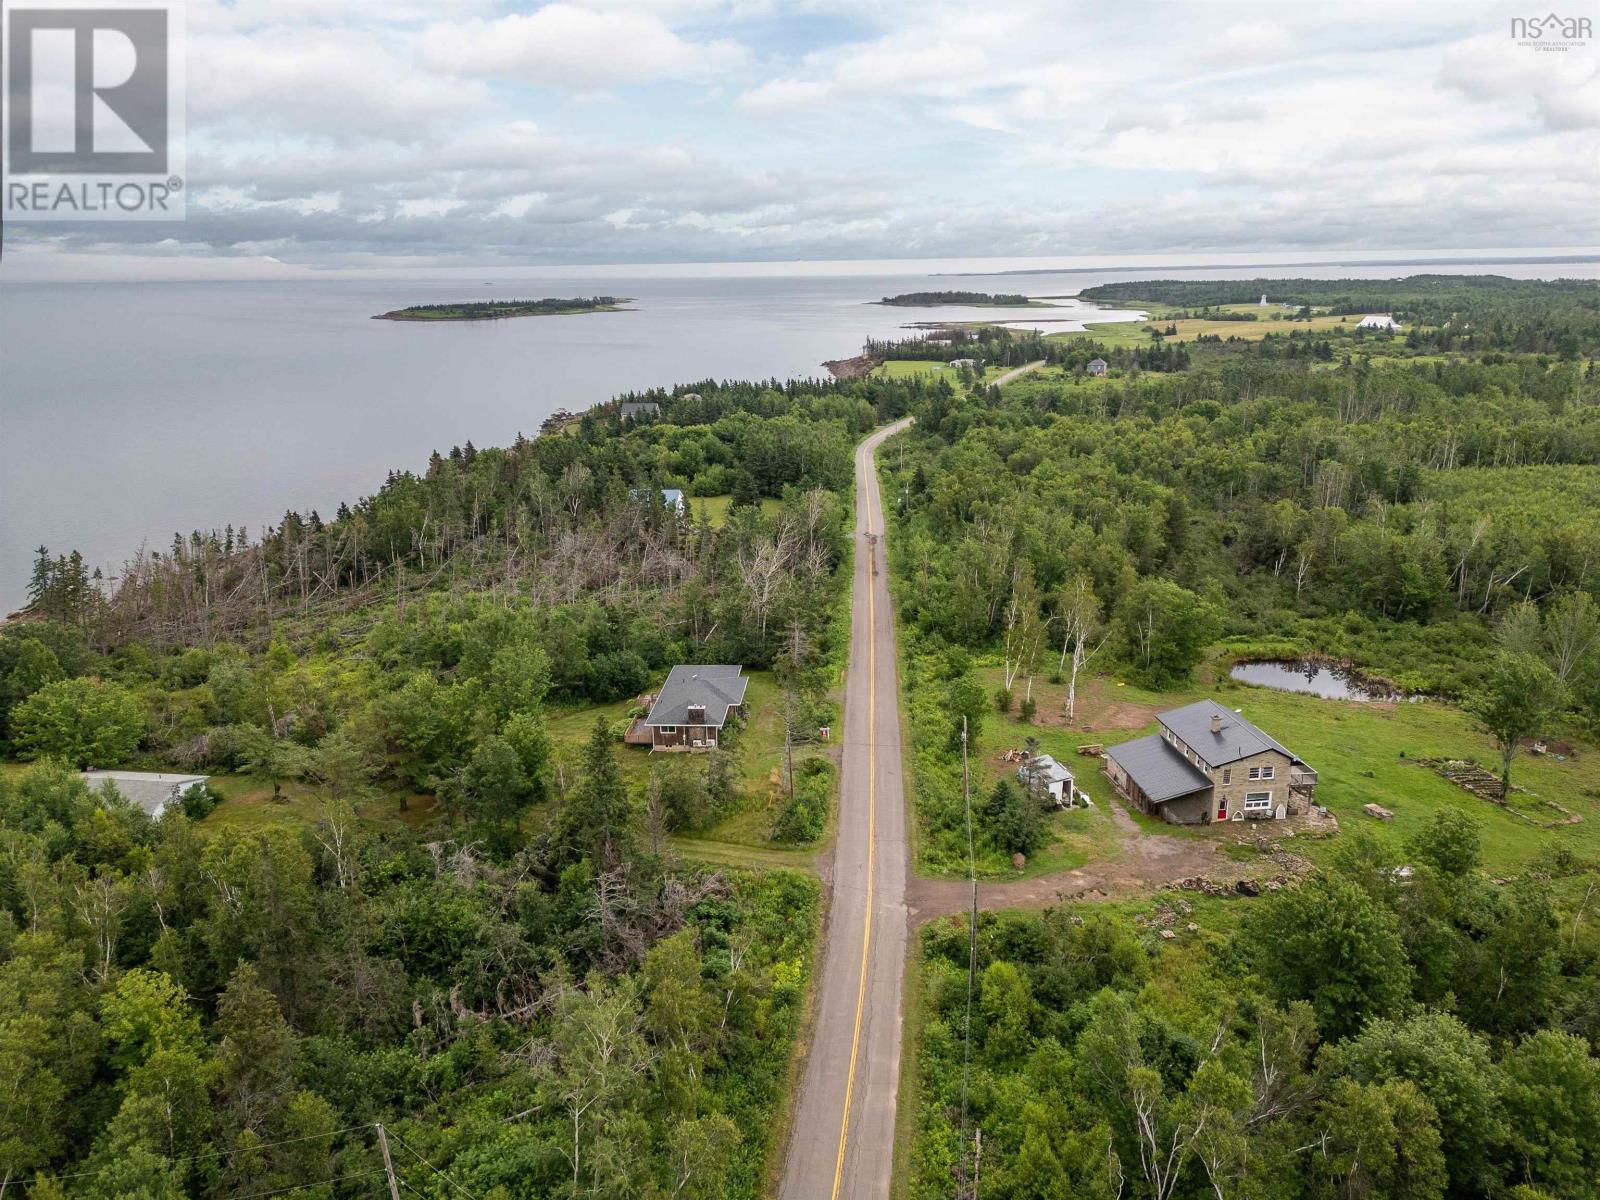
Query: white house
152, 791
1052, 779
958, 363
673, 499
1378, 321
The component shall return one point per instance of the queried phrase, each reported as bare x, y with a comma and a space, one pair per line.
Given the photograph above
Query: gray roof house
1207, 763
694, 705
633, 409
1097, 366
152, 791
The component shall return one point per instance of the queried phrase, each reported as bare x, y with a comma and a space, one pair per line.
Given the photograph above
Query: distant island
494, 310
980, 299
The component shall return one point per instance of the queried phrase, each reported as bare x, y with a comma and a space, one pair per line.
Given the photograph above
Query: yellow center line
872, 828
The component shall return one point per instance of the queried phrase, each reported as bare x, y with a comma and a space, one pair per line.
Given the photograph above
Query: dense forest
1362, 1035
472, 937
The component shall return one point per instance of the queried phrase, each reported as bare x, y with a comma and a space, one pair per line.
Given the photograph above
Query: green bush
804, 817
84, 722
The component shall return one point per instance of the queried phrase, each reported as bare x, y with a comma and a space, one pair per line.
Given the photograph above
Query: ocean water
131, 411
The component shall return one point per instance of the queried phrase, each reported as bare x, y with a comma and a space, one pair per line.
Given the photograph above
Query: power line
972, 948
300, 1187
406, 1147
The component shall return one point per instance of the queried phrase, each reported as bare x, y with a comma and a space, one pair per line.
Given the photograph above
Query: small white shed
150, 790
1053, 779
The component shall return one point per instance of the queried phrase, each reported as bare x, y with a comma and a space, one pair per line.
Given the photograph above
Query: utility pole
788, 743
972, 947
388, 1163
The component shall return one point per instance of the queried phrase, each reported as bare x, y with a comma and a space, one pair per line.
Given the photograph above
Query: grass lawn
908, 368
246, 804
715, 508
1362, 752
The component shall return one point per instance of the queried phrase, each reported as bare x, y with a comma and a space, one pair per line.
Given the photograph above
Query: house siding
686, 735
1240, 782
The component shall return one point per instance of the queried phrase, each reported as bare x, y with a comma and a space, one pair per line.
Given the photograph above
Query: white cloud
573, 46
373, 131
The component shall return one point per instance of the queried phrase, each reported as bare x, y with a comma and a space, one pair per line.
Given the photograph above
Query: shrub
804, 816
85, 722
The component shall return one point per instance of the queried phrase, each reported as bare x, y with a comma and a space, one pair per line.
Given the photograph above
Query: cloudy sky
384, 133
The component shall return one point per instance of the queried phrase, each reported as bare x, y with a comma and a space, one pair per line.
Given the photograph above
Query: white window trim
1258, 802
667, 728
1268, 772
1255, 774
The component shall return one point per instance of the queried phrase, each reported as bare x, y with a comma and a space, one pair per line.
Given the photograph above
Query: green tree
256, 1051
1329, 943
1451, 1066
276, 759
1382, 1139
1515, 700
494, 788
1552, 1101
599, 820
1013, 820
1164, 630
147, 1012
1450, 843
26, 665
85, 722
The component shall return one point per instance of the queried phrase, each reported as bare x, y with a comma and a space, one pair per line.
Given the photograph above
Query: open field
1268, 320
910, 368
715, 508
246, 803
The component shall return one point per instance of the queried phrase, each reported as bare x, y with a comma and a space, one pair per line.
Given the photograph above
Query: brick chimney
1216, 722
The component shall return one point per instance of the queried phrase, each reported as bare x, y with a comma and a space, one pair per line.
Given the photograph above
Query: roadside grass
715, 508
717, 853
1363, 753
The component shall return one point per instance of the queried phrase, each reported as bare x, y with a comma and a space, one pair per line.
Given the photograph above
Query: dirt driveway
1144, 862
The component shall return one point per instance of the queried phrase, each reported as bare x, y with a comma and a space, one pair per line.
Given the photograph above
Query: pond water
1312, 678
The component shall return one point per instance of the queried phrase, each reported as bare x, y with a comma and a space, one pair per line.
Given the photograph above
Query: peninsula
494, 310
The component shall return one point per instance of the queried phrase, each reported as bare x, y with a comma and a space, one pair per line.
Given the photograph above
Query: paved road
842, 1141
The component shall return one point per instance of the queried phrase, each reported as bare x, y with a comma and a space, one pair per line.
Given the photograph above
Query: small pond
1328, 680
